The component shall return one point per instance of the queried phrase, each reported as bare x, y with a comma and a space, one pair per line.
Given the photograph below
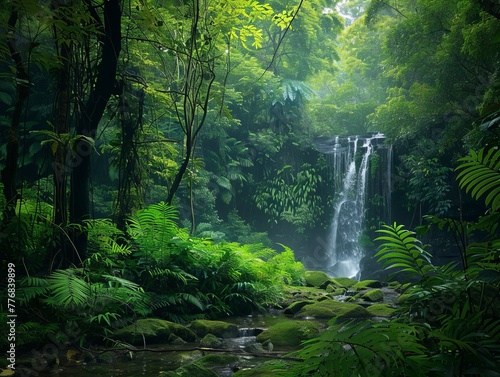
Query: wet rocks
220, 329
211, 341
153, 330
289, 333
316, 278
328, 309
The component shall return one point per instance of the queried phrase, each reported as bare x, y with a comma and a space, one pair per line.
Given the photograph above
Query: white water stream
351, 175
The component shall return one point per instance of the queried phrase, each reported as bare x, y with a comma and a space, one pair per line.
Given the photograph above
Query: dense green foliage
157, 269
154, 153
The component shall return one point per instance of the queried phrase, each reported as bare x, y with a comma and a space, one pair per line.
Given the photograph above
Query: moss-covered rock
153, 330
373, 295
210, 340
343, 282
332, 308
381, 310
255, 348
302, 294
367, 284
216, 361
334, 290
289, 333
193, 370
294, 307
394, 284
402, 298
177, 340
272, 368
316, 278
220, 329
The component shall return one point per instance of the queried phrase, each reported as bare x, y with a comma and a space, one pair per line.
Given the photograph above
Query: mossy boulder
289, 333
220, 329
274, 368
332, 308
214, 361
177, 340
335, 291
381, 310
294, 307
153, 330
255, 348
373, 295
192, 370
211, 341
343, 282
403, 298
316, 278
367, 284
394, 284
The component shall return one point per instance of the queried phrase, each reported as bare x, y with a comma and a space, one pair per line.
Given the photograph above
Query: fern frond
480, 175
364, 349
153, 227
31, 287
67, 289
401, 249
123, 282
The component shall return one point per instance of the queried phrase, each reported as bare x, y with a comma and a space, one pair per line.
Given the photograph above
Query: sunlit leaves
283, 19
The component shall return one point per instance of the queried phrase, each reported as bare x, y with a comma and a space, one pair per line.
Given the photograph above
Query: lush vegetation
447, 321
159, 160
156, 269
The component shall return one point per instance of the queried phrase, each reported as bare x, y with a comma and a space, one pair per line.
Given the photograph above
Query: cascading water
350, 157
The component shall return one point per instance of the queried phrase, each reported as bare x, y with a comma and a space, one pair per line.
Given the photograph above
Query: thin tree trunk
10, 169
89, 120
62, 127
180, 172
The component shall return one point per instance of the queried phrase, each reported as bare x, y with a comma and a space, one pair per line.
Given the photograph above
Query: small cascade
352, 183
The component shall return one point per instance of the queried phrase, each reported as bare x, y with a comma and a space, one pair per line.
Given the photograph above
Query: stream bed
241, 350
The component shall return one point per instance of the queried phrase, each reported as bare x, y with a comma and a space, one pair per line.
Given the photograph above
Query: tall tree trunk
10, 169
130, 193
61, 124
89, 120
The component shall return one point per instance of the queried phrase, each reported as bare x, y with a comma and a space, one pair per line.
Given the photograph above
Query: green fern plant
68, 289
401, 249
480, 175
364, 349
152, 228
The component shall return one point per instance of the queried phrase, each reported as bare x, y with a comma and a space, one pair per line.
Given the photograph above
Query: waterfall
350, 159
